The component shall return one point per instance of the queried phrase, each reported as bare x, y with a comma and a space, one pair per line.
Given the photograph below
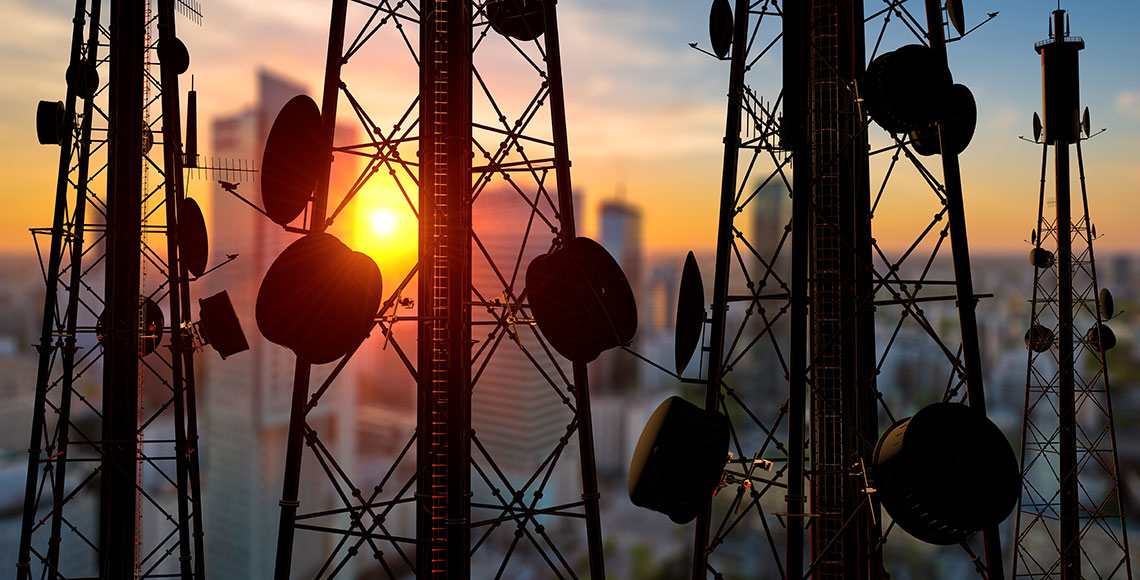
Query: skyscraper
245, 401
620, 233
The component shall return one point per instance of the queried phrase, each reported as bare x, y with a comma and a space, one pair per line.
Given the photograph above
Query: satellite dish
679, 459
1036, 128
51, 123
319, 298
1086, 123
1039, 338
1041, 258
720, 27
690, 313
173, 55
581, 300
907, 89
1106, 304
1101, 337
519, 19
946, 473
194, 246
152, 326
84, 78
956, 15
218, 325
958, 124
295, 153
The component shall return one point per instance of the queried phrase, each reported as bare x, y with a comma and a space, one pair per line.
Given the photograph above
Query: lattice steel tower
488, 476
1070, 521
823, 445
115, 419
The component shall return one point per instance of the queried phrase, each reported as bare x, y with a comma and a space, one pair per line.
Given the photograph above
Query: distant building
771, 210
245, 400
620, 234
513, 412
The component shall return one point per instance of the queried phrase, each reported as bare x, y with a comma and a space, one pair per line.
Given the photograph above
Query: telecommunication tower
1070, 519
113, 482
478, 155
821, 452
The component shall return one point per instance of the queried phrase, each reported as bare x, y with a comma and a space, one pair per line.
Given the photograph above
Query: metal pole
723, 255
295, 443
329, 98
177, 277
1070, 502
445, 287
967, 316
590, 494
290, 488
795, 58
121, 316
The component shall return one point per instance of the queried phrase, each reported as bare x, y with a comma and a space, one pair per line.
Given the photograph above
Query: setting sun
383, 222
386, 230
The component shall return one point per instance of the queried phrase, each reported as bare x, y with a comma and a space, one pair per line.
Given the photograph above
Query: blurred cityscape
244, 401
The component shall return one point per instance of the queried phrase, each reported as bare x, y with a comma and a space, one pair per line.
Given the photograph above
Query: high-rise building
511, 412
245, 401
770, 275
619, 223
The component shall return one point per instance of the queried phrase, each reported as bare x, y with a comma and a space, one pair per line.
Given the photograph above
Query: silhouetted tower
1070, 520
468, 160
812, 461
128, 436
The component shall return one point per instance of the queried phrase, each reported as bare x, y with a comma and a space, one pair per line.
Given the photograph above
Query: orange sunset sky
646, 112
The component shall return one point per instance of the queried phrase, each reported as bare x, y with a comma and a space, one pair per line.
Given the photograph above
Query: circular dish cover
295, 153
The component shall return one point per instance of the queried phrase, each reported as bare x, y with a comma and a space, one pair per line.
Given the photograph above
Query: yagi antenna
191, 9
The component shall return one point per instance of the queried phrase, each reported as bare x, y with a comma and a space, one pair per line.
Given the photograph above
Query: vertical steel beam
178, 278
121, 316
963, 277
290, 502
728, 189
841, 341
590, 495
795, 140
444, 451
292, 481
1066, 390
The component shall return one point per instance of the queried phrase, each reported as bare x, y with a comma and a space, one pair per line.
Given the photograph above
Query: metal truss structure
488, 157
112, 483
1070, 521
796, 356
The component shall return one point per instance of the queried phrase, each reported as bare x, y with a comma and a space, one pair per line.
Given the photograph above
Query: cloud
1128, 104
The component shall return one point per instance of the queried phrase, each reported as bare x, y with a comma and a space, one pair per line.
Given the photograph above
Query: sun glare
387, 231
383, 222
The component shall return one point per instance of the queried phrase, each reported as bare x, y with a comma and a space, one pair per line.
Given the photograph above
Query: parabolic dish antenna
518, 19
946, 473
690, 313
679, 459
194, 246
581, 300
319, 298
295, 153
720, 27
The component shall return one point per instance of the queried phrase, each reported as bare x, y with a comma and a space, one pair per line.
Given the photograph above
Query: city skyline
490, 381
